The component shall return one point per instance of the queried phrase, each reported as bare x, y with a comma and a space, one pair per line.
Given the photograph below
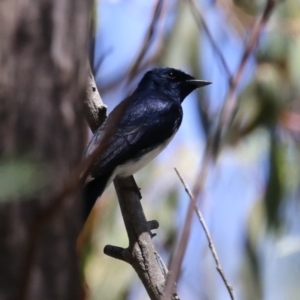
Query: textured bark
42, 83
94, 108
140, 253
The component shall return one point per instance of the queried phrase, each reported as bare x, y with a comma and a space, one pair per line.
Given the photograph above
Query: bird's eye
171, 75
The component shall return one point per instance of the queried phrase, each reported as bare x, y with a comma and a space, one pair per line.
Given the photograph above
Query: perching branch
140, 253
208, 236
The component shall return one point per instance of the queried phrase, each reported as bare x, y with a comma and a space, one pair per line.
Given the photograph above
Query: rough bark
94, 108
42, 83
140, 254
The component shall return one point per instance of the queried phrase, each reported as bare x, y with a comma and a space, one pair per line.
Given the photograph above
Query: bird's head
172, 82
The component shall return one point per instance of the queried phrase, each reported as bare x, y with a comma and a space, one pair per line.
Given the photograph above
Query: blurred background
251, 197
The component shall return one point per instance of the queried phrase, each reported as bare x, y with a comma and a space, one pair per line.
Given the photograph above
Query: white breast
133, 166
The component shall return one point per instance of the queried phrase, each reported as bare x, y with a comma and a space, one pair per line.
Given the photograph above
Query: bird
138, 129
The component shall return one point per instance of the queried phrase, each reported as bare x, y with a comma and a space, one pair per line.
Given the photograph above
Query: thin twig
212, 149
202, 24
208, 236
147, 40
114, 83
140, 62
231, 100
182, 244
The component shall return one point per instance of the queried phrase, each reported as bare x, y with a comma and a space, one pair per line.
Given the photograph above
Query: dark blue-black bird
140, 127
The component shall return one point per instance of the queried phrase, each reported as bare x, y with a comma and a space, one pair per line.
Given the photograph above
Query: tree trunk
42, 132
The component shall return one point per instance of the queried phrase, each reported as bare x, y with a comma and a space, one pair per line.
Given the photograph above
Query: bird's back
149, 121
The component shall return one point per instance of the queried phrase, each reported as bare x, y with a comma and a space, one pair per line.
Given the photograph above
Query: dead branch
94, 109
208, 236
182, 244
140, 253
212, 149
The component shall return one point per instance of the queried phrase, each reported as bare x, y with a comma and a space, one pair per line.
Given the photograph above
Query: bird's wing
135, 134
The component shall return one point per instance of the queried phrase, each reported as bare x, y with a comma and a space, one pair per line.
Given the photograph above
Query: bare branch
94, 108
140, 63
115, 252
230, 100
147, 40
182, 244
213, 148
202, 24
208, 236
140, 253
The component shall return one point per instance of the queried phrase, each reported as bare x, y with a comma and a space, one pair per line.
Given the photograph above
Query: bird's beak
198, 83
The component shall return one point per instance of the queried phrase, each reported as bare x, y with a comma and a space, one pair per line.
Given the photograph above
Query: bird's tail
92, 191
